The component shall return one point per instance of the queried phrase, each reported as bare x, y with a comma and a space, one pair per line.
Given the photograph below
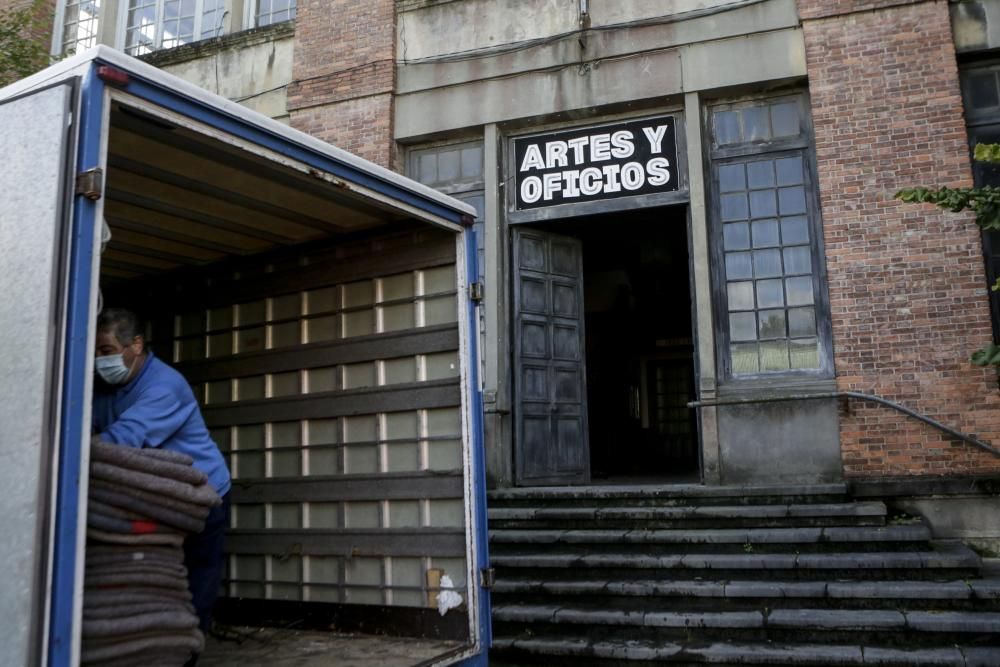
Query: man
142, 402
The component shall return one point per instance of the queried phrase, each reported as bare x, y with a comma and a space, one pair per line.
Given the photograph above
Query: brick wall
344, 74
907, 284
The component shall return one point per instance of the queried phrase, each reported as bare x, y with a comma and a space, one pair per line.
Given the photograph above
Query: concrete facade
901, 289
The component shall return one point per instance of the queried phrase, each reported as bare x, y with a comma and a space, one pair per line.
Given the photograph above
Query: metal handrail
958, 435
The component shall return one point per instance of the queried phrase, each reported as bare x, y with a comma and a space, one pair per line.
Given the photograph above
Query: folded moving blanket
105, 597
186, 516
126, 610
176, 572
100, 521
116, 553
198, 495
157, 621
140, 460
103, 650
120, 538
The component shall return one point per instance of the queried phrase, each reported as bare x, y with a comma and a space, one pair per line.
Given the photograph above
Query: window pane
427, 168
770, 294
762, 204
744, 358
789, 170
472, 162
801, 322
785, 119
766, 263
799, 291
740, 295
983, 91
772, 324
742, 326
774, 356
734, 207
804, 353
765, 233
727, 128
738, 265
792, 200
760, 174
794, 230
732, 178
449, 166
736, 236
756, 124
798, 260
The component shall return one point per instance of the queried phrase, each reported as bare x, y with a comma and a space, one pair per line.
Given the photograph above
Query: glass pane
762, 204
756, 124
766, 263
427, 168
740, 295
727, 128
983, 91
449, 166
794, 230
744, 358
770, 294
736, 236
738, 265
785, 119
472, 162
765, 233
772, 324
774, 356
742, 326
789, 170
804, 353
732, 178
734, 207
798, 260
792, 200
799, 291
760, 174
801, 322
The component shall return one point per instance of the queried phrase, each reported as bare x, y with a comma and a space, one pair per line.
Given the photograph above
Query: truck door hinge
476, 291
90, 183
487, 577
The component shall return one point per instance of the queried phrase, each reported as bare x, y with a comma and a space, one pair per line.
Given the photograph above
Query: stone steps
677, 495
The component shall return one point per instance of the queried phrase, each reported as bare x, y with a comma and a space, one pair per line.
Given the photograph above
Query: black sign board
590, 164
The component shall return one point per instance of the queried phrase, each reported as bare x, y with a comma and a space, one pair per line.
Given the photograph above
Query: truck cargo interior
320, 332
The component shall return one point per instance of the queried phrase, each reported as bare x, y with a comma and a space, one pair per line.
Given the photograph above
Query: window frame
121, 31
802, 146
57, 46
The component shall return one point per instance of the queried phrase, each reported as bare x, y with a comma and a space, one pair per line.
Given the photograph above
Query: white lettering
531, 189
532, 158
621, 142
599, 147
590, 181
570, 180
555, 154
577, 146
655, 137
611, 178
633, 176
551, 183
659, 171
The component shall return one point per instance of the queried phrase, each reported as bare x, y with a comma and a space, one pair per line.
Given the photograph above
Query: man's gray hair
123, 324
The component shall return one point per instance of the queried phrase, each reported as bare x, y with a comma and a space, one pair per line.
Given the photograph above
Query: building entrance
603, 350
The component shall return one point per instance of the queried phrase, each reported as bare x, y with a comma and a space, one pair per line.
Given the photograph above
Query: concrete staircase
723, 575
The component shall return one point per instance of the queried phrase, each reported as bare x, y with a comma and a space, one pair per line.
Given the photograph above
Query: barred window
80, 23
161, 24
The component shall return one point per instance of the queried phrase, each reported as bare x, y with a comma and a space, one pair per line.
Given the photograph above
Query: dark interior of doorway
639, 352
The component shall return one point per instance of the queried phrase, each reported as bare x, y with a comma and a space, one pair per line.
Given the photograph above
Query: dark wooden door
550, 383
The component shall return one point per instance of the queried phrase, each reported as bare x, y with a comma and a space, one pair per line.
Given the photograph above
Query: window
162, 24
981, 94
274, 11
80, 21
767, 241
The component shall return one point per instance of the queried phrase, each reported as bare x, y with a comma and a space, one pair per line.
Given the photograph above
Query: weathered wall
344, 75
907, 285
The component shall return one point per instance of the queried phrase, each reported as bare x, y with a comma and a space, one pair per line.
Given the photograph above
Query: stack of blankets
136, 603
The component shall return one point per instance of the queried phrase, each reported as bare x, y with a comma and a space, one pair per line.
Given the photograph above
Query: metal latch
487, 577
90, 183
476, 291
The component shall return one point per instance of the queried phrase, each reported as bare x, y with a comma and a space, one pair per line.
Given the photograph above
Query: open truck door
319, 307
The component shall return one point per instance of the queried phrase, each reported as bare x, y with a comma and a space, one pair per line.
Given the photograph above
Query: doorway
634, 372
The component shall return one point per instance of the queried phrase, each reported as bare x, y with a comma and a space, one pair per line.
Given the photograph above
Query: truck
322, 308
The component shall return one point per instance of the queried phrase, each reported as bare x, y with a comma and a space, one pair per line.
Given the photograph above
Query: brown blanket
198, 495
145, 460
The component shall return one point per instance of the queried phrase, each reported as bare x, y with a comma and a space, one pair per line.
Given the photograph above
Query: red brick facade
344, 75
907, 283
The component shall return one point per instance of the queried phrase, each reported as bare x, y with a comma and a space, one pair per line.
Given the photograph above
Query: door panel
551, 407
34, 140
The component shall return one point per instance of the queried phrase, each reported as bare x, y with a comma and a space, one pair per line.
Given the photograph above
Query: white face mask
112, 368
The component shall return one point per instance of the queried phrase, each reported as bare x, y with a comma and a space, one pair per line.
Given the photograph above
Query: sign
589, 164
